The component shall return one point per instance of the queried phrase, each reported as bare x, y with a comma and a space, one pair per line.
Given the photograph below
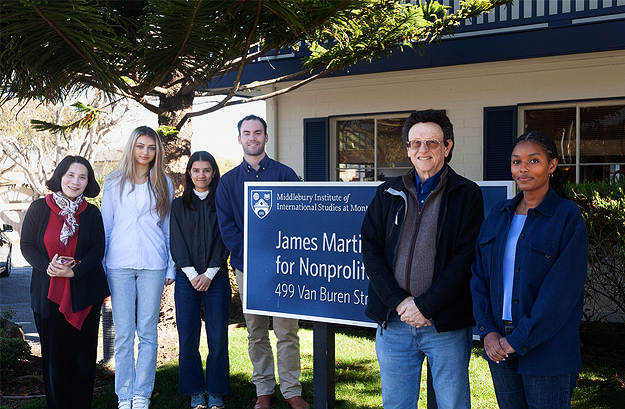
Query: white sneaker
139, 402
124, 404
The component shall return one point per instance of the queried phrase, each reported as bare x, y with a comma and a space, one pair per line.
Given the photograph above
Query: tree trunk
177, 150
176, 147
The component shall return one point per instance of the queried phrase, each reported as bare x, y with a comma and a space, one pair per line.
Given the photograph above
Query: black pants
69, 358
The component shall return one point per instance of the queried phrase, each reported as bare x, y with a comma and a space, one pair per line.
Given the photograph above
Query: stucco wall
463, 91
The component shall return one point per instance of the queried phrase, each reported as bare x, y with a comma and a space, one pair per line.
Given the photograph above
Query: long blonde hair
157, 179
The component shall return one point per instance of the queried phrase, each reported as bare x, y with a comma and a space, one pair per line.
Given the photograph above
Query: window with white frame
369, 148
590, 137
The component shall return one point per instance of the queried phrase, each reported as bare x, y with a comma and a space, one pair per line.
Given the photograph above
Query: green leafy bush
13, 347
12, 350
603, 207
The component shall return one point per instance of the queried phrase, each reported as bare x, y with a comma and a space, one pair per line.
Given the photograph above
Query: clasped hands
201, 283
56, 269
497, 347
409, 313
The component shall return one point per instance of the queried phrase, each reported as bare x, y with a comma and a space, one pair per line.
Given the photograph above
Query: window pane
355, 173
559, 124
593, 173
602, 136
356, 141
569, 172
392, 157
356, 149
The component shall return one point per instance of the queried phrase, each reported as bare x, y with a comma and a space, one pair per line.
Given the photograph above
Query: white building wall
463, 91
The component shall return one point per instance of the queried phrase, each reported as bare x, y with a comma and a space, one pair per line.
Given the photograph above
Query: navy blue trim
500, 131
372, 114
316, 149
534, 43
571, 101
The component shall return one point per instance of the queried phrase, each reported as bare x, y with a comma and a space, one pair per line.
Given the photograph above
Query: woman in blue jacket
201, 278
528, 283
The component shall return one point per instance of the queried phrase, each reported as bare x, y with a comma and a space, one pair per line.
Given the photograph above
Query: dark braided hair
557, 181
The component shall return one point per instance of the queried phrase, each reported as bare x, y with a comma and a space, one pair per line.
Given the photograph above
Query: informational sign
303, 254
303, 251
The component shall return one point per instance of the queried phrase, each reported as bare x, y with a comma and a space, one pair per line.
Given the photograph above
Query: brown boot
263, 402
297, 402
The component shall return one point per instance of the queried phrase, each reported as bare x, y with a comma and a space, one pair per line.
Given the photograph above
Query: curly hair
436, 116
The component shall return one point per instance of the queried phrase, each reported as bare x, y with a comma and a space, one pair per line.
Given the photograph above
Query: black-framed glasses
431, 144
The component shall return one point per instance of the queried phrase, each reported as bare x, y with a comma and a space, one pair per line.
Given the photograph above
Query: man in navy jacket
418, 238
229, 200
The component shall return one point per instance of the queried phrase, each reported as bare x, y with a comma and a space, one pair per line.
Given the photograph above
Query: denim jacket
548, 287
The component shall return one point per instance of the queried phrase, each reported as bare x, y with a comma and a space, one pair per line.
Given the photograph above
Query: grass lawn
358, 380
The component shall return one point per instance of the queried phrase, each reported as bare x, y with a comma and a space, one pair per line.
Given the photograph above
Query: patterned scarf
68, 214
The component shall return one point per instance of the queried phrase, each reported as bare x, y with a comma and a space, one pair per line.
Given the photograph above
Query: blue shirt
550, 266
509, 257
136, 236
230, 196
427, 186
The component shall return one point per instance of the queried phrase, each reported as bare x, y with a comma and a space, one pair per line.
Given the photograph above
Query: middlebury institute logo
261, 202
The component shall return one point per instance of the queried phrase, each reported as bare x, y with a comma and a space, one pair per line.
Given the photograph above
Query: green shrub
603, 207
12, 347
12, 350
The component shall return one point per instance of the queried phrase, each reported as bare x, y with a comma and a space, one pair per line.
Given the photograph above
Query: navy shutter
500, 131
316, 150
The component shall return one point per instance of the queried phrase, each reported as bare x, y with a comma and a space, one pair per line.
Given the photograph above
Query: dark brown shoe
263, 402
297, 402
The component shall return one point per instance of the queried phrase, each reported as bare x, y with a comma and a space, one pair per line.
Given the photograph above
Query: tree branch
244, 56
230, 66
237, 81
258, 98
59, 32
186, 38
257, 84
282, 91
235, 64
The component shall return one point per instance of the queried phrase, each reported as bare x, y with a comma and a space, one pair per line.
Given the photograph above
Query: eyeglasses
415, 144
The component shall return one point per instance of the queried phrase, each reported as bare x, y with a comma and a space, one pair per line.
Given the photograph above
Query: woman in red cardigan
63, 240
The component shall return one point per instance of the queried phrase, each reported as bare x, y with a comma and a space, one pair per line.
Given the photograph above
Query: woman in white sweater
135, 209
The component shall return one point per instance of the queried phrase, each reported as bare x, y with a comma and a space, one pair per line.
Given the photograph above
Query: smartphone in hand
65, 260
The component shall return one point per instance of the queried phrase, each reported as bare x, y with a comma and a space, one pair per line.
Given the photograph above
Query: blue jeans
401, 349
216, 302
135, 293
516, 391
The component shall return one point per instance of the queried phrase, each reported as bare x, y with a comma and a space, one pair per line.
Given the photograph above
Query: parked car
5, 250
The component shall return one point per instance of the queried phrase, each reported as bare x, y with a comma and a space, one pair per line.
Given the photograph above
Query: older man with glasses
418, 240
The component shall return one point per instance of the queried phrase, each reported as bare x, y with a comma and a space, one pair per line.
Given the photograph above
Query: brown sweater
416, 251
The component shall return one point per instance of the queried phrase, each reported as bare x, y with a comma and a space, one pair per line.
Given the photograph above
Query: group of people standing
139, 241
435, 269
